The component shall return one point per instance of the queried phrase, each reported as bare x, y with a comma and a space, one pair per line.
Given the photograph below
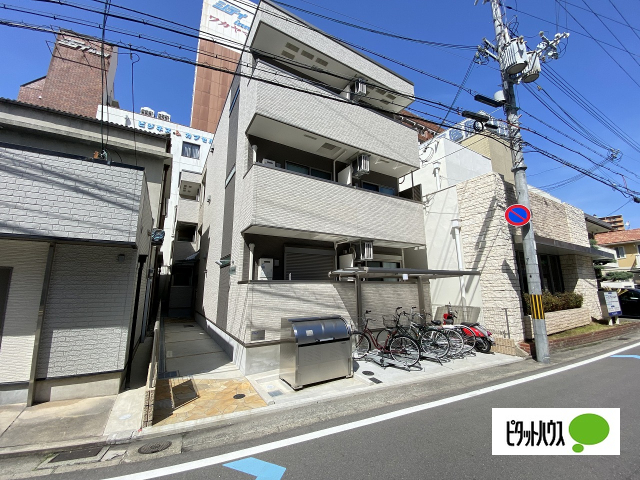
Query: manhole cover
239, 396
76, 455
375, 380
153, 447
368, 373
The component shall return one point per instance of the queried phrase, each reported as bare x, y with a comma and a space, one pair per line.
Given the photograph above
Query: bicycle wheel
404, 350
469, 340
382, 336
456, 342
360, 345
434, 343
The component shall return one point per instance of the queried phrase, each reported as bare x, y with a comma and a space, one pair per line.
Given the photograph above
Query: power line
634, 30
464, 81
600, 45
566, 28
241, 74
611, 32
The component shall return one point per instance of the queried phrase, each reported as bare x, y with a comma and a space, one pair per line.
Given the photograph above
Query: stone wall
580, 277
487, 245
561, 321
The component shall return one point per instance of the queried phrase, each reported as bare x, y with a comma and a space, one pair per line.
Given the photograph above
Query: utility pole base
541, 340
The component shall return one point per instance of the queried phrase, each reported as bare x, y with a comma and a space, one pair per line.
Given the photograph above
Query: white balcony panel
321, 113
298, 203
188, 211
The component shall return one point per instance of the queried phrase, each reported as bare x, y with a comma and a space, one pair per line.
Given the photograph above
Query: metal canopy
379, 272
362, 273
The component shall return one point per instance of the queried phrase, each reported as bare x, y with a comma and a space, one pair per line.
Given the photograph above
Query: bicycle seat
436, 322
469, 324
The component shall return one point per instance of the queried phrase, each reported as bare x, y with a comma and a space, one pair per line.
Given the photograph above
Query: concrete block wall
89, 308
62, 197
487, 245
338, 120
28, 260
298, 202
580, 277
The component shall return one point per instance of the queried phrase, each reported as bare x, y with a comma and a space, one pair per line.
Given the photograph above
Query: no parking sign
517, 215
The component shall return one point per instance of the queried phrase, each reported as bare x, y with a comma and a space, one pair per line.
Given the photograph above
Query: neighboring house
302, 181
615, 221
626, 244
75, 237
132, 179
189, 148
466, 195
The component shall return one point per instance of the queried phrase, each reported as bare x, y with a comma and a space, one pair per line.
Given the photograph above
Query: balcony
182, 250
301, 206
324, 124
188, 211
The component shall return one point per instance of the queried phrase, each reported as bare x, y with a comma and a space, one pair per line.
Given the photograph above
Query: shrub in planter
554, 302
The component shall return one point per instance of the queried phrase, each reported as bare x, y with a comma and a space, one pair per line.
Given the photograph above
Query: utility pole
517, 65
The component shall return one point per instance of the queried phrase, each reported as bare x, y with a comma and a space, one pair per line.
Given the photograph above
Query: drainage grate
153, 447
239, 396
375, 380
368, 373
275, 393
76, 455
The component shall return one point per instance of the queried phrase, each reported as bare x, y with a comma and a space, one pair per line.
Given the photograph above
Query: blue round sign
517, 215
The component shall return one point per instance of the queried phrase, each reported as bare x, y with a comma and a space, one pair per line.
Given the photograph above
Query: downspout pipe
436, 172
455, 226
31, 392
132, 336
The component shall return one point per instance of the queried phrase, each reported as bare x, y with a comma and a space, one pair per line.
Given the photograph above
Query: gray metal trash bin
314, 349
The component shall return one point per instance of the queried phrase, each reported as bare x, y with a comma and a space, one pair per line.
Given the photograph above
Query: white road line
248, 452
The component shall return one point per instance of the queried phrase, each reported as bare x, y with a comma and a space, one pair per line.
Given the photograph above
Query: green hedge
555, 302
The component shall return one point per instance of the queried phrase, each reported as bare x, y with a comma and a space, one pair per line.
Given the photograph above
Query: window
235, 99
550, 273
620, 252
638, 247
186, 233
314, 172
190, 150
379, 188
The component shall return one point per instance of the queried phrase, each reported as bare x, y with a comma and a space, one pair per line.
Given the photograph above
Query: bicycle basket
389, 321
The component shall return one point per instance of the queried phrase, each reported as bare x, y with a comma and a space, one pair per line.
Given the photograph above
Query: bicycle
469, 338
400, 348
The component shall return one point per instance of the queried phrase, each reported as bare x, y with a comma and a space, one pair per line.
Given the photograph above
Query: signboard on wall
228, 22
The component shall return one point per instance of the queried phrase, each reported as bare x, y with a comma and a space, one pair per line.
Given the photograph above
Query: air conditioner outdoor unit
164, 116
269, 162
366, 251
265, 269
360, 165
359, 88
147, 112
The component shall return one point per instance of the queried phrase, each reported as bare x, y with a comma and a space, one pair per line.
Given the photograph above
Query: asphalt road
448, 441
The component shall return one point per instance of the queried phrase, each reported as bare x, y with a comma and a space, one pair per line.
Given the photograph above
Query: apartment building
466, 194
304, 179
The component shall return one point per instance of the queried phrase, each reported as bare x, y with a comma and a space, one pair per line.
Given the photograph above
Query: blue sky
166, 85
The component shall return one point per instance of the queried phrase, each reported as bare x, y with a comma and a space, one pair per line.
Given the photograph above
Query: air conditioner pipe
251, 247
